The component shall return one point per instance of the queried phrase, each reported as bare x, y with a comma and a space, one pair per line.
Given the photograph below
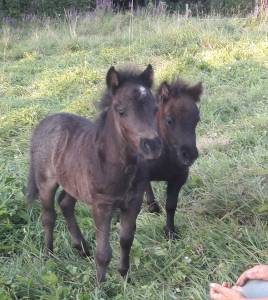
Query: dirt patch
210, 141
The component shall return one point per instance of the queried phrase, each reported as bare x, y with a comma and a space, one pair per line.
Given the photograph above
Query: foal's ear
196, 91
112, 78
147, 76
163, 92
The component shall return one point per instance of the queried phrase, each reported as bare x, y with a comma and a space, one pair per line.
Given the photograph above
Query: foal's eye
155, 110
169, 120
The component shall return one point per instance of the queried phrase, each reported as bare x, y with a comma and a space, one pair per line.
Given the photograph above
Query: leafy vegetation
17, 8
49, 66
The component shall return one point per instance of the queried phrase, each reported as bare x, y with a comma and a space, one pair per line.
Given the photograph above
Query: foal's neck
114, 149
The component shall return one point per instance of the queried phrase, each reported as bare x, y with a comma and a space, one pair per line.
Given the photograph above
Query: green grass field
49, 66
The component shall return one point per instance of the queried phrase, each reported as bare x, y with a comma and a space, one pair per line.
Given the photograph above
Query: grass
51, 65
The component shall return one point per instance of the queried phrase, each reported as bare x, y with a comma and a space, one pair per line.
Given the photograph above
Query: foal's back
57, 124
64, 142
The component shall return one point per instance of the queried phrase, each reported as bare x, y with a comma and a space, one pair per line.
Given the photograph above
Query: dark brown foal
98, 163
177, 119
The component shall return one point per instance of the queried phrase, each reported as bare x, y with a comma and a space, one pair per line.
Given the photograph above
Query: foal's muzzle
151, 148
188, 155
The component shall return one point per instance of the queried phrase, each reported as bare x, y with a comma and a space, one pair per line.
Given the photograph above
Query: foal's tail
32, 190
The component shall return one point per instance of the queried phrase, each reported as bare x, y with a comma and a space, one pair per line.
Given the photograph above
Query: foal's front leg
173, 189
102, 215
127, 231
171, 204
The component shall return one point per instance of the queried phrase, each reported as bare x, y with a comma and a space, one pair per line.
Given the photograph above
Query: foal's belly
112, 189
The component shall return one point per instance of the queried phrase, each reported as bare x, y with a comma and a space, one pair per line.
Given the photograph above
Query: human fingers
216, 296
226, 284
244, 277
218, 288
257, 272
227, 293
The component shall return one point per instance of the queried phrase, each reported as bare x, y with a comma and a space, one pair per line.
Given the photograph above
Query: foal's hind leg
67, 205
46, 195
153, 205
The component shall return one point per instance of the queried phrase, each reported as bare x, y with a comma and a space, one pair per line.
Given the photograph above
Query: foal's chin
185, 162
150, 155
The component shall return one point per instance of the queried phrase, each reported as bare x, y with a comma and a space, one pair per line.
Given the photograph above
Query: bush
225, 7
15, 8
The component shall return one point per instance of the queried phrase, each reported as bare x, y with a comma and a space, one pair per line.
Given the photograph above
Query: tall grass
50, 65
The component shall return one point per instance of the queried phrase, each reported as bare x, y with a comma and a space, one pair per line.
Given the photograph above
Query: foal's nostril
189, 154
155, 144
151, 145
158, 143
146, 145
184, 154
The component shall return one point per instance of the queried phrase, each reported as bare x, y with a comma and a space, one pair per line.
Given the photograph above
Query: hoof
101, 279
154, 208
123, 273
83, 251
48, 253
171, 234
101, 274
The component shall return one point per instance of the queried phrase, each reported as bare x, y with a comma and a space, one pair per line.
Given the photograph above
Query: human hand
258, 272
224, 292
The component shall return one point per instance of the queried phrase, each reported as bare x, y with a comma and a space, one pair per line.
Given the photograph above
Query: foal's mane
179, 87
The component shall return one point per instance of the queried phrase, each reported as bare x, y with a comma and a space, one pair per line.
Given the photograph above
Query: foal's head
178, 117
130, 101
